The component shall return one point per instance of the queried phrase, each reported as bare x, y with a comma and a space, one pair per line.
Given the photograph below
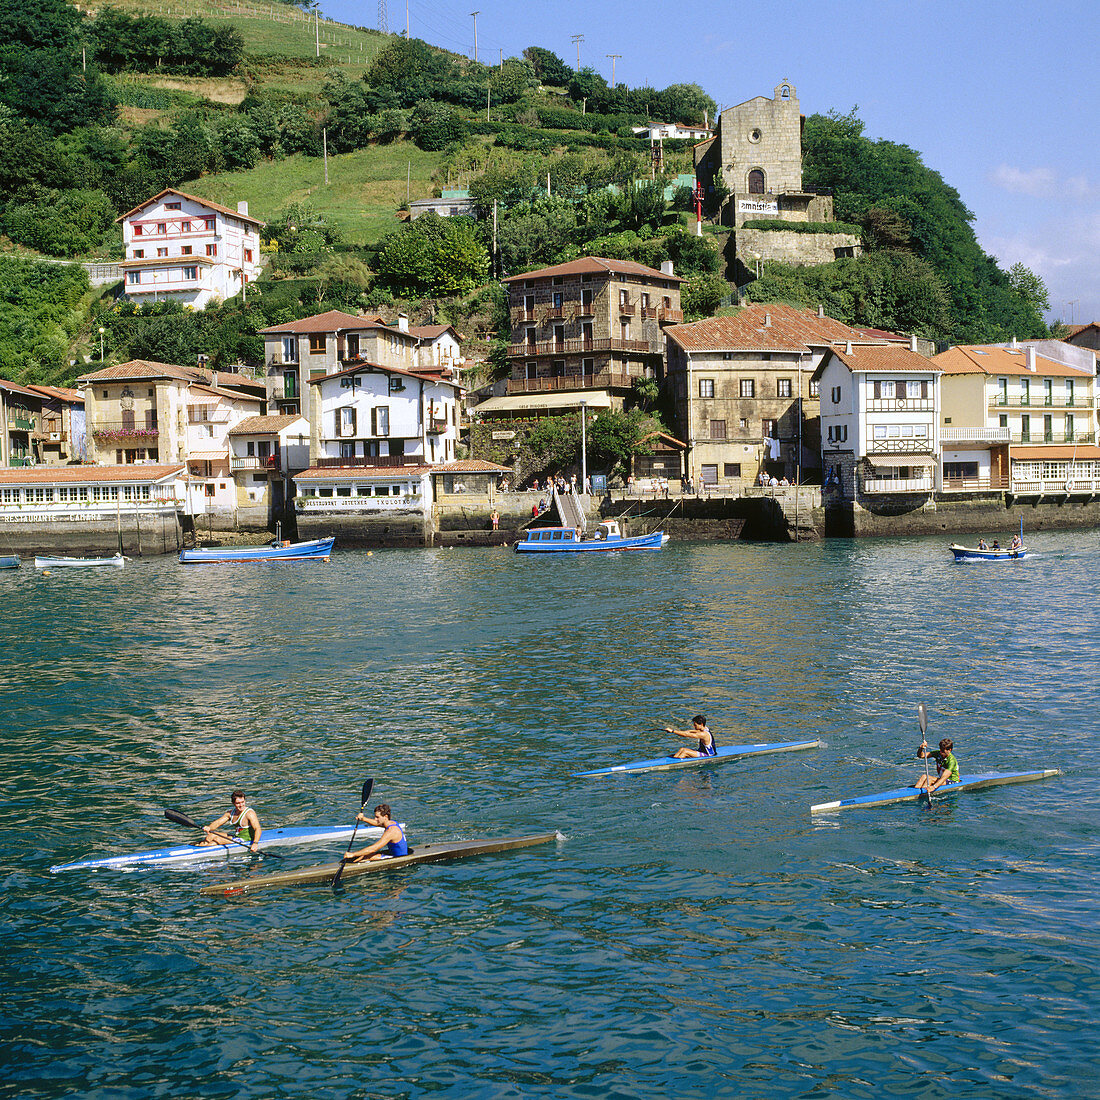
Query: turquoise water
695, 934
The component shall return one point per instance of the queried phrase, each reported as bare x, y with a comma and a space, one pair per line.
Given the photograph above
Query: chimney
403, 322
1030, 361
767, 320
821, 309
242, 208
1015, 344
912, 343
848, 348
666, 267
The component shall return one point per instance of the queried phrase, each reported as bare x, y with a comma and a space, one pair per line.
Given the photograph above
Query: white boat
116, 560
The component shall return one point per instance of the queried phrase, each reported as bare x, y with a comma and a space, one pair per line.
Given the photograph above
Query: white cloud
1042, 183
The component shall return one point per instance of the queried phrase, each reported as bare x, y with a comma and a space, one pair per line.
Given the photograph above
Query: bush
802, 227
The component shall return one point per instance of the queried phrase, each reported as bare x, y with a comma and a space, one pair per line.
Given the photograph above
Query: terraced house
584, 331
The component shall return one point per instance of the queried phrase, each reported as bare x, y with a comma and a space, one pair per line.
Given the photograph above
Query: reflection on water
696, 934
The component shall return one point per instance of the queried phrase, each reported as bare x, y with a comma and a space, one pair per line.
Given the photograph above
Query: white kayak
187, 853
911, 794
729, 752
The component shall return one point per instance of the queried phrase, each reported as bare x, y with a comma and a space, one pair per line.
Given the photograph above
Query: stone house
744, 393
1019, 420
584, 331
189, 250
880, 421
20, 423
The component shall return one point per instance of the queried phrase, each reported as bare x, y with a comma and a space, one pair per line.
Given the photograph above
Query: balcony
19, 421
998, 484
123, 430
254, 462
670, 316
1054, 437
627, 309
897, 485
602, 380
901, 404
586, 309
582, 347
20, 460
523, 314
975, 435
555, 313
389, 462
649, 313
437, 426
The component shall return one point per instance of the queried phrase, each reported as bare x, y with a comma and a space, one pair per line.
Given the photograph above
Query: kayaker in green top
240, 822
947, 767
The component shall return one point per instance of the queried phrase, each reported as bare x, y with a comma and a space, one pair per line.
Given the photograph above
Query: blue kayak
911, 794
730, 752
187, 853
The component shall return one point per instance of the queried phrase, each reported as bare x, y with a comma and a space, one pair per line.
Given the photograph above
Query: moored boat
188, 853
975, 553
912, 794
423, 853
279, 550
568, 540
45, 562
9, 561
722, 755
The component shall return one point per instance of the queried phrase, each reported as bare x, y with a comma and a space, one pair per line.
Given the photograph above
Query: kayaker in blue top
947, 767
240, 822
698, 733
392, 841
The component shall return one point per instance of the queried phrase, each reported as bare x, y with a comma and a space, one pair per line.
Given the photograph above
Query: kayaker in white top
240, 822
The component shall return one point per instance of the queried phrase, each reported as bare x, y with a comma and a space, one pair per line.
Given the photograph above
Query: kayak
911, 794
186, 853
730, 752
422, 853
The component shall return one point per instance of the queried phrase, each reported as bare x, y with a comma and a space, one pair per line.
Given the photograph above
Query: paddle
922, 717
183, 819
367, 787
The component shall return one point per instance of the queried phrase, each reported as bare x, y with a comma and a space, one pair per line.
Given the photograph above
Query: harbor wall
144, 534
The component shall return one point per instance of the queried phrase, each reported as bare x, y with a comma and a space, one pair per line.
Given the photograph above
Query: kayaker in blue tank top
698, 733
390, 844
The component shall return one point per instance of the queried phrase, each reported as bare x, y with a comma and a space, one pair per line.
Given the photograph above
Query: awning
208, 456
594, 399
1061, 452
886, 462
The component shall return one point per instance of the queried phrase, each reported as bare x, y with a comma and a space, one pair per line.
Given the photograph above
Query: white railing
1051, 487
975, 435
898, 485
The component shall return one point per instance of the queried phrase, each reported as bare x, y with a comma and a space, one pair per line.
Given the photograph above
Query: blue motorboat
279, 550
568, 540
977, 553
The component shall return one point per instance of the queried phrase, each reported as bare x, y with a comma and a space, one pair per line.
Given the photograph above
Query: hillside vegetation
103, 107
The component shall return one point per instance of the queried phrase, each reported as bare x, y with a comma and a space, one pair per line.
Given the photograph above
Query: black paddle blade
922, 717
182, 819
368, 786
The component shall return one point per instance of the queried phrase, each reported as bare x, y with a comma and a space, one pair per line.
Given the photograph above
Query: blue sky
1002, 99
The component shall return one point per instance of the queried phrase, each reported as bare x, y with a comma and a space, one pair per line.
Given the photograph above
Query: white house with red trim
183, 248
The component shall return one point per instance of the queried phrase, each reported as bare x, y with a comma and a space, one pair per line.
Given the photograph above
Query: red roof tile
773, 327
589, 265
194, 198
87, 475
992, 359
265, 425
884, 357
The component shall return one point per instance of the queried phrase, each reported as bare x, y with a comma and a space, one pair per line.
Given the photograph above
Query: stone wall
146, 535
791, 247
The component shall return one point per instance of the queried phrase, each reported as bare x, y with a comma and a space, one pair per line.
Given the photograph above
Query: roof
990, 359
471, 466
334, 320
1076, 330
766, 327
60, 393
88, 475
225, 392
14, 387
207, 456
140, 368
266, 425
344, 472
166, 261
663, 437
433, 332
421, 374
194, 198
1054, 454
594, 399
590, 265
883, 358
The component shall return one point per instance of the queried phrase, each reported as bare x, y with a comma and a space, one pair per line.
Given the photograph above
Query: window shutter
924, 389
878, 389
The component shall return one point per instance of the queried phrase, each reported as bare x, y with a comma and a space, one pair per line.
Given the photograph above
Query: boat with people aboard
985, 553
277, 550
569, 540
188, 853
423, 853
719, 756
116, 561
914, 794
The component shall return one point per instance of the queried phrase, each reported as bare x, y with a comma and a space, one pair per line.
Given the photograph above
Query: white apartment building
188, 249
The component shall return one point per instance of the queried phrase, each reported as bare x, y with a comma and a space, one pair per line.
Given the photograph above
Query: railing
578, 347
356, 504
649, 313
437, 427
1054, 437
279, 361
524, 314
1027, 403
975, 435
901, 404
20, 460
902, 447
382, 461
673, 316
1052, 486
976, 484
19, 422
586, 309
555, 313
626, 309
108, 429
570, 382
897, 485
254, 462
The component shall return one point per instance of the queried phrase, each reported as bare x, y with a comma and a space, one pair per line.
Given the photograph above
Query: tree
1029, 287
434, 126
459, 260
702, 294
614, 438
548, 67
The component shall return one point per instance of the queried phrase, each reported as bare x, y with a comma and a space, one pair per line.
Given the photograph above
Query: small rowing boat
9, 561
423, 853
188, 853
729, 752
973, 553
116, 560
279, 550
911, 794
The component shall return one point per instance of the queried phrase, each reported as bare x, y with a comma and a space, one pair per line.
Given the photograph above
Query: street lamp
584, 449
101, 331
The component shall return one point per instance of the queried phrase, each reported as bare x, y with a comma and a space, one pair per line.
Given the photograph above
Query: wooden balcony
254, 462
649, 313
582, 347
627, 309
555, 313
600, 381
670, 316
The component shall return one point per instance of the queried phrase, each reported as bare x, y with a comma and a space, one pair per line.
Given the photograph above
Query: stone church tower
760, 144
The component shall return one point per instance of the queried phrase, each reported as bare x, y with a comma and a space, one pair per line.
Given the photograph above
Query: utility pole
578, 39
383, 17
475, 14
613, 56
324, 146
317, 27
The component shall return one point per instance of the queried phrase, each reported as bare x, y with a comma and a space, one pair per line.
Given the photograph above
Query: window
731, 469
624, 330
1025, 428
132, 277
191, 273
708, 474
706, 387
345, 421
248, 255
161, 252
835, 394
557, 368
1069, 391
559, 299
1048, 391
531, 371
748, 387
187, 250
380, 420
317, 343
210, 489
1048, 429
209, 224
352, 341
347, 450
718, 429
172, 206
559, 335
1002, 420
290, 349
138, 230
1069, 427
756, 181
185, 227
139, 253
783, 387
815, 389
770, 428
1025, 391
743, 424
211, 250
161, 228
1002, 391
588, 367
531, 337
913, 389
